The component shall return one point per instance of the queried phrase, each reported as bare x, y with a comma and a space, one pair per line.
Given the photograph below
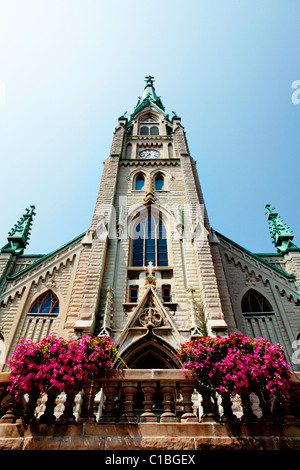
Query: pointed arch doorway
150, 353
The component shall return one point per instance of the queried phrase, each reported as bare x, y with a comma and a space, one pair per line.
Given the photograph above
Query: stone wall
147, 436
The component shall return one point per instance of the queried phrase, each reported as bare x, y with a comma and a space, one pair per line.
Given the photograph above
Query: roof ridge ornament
18, 236
281, 234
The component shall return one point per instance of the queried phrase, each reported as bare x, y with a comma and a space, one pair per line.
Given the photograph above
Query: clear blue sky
70, 68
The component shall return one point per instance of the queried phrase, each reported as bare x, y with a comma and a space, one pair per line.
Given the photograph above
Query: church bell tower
149, 274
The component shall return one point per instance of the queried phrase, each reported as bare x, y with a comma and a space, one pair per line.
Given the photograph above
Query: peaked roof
18, 237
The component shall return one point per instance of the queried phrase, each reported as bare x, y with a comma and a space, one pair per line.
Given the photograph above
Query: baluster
186, 390
48, 415
208, 415
78, 405
41, 406
108, 414
9, 416
68, 415
267, 416
130, 389
167, 389
228, 415
90, 389
248, 415
148, 391
30, 403
60, 407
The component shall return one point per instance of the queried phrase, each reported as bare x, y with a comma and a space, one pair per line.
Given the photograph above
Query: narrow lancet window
139, 183
159, 182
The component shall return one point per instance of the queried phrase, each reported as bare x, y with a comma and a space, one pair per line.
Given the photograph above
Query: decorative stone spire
18, 237
281, 234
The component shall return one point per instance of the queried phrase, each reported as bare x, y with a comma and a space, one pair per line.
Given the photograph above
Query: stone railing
144, 396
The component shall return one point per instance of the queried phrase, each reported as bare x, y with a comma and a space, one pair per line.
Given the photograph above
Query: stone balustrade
144, 396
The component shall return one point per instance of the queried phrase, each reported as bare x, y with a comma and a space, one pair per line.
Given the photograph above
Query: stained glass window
150, 243
46, 303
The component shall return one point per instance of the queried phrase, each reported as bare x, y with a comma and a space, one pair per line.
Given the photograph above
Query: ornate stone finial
281, 234
18, 237
194, 328
105, 329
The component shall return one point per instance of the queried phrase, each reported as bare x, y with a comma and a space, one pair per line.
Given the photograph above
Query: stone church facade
150, 271
150, 209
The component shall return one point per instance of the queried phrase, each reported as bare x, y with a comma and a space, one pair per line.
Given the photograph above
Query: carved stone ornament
150, 316
249, 283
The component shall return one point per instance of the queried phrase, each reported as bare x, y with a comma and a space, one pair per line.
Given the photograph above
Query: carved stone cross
150, 268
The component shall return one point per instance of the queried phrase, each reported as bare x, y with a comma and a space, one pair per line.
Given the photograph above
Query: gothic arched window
46, 303
254, 302
144, 130
154, 130
42, 317
259, 317
150, 242
139, 182
159, 182
149, 130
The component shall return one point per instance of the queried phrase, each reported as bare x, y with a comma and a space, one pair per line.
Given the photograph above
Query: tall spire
18, 237
281, 234
149, 98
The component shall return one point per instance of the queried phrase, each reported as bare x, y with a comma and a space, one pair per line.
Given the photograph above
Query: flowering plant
54, 363
236, 363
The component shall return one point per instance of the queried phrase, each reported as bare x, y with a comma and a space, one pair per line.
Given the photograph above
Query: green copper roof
149, 98
257, 257
44, 257
281, 234
18, 237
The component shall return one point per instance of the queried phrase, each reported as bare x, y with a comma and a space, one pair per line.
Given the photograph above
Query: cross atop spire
281, 234
149, 80
18, 236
